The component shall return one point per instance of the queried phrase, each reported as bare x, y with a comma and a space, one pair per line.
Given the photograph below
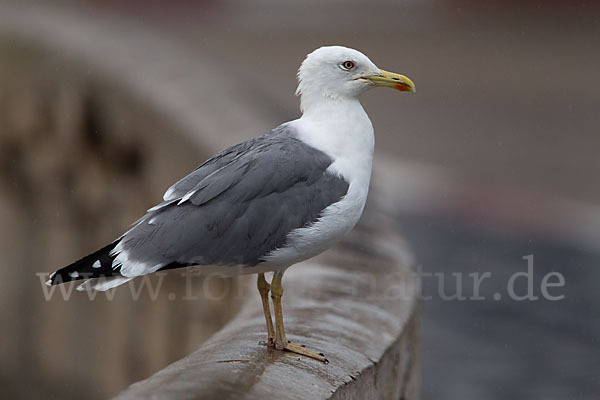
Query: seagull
265, 204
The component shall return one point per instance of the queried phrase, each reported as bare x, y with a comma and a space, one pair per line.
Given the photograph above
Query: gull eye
347, 65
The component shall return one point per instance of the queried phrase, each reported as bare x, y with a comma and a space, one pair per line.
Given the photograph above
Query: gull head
336, 72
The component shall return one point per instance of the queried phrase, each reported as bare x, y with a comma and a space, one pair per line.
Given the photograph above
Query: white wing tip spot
187, 197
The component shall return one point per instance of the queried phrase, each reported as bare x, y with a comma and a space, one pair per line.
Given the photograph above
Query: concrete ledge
357, 304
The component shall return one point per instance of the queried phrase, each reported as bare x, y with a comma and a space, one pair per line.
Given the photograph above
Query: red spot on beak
403, 88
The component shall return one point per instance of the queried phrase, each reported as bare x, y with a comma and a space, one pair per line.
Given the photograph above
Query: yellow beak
390, 79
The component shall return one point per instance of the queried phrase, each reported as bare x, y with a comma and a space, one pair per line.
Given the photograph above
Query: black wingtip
95, 265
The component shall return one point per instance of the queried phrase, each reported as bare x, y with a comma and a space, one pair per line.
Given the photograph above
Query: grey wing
241, 208
218, 161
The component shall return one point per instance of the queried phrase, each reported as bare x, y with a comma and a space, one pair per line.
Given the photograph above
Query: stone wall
80, 159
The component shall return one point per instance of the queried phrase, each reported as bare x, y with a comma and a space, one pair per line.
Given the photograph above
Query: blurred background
104, 103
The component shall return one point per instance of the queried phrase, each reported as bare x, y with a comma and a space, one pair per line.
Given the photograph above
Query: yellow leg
281, 342
263, 289
276, 293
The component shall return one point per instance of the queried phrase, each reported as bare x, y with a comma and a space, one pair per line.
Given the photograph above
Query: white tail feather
103, 283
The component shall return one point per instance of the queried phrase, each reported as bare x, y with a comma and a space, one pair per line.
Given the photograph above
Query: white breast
344, 133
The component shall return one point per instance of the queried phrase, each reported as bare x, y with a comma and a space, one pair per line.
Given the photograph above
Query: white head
338, 73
